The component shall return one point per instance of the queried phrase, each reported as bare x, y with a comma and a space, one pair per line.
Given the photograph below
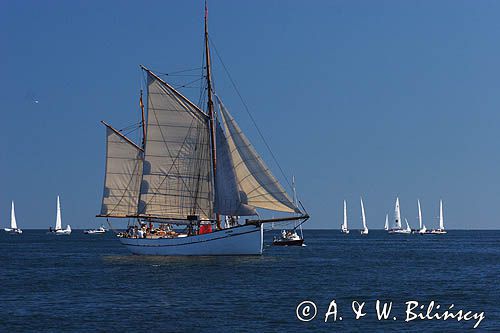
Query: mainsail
257, 185
397, 215
177, 167
123, 175
58, 215
13, 223
441, 219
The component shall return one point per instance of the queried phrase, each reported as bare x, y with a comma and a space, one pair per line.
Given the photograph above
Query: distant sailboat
422, 229
363, 217
397, 221
13, 230
386, 226
344, 228
441, 221
58, 229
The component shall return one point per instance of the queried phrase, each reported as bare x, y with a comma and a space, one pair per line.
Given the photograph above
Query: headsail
255, 180
228, 198
123, 175
13, 223
177, 167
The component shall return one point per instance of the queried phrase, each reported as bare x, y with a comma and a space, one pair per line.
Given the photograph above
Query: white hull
240, 240
13, 231
438, 232
345, 231
62, 232
364, 232
399, 231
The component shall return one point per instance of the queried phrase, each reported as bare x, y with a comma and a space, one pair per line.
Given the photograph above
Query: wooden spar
121, 135
282, 219
210, 103
143, 123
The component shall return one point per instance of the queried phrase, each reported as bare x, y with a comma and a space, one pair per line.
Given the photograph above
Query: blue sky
371, 98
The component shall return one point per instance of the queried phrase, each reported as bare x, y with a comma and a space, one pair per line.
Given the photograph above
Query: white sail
441, 219
345, 217
256, 182
13, 223
363, 216
419, 215
397, 215
123, 175
229, 200
177, 172
407, 225
58, 216
386, 225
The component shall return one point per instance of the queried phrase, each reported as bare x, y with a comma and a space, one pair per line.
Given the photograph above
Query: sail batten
254, 178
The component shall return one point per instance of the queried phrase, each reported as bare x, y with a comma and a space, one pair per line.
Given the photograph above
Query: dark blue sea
90, 283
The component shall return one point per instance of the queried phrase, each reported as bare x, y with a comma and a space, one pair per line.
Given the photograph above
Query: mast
141, 104
210, 103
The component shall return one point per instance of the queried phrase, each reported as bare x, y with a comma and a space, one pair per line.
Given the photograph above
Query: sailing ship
13, 230
398, 229
441, 221
386, 225
343, 227
193, 167
58, 230
363, 218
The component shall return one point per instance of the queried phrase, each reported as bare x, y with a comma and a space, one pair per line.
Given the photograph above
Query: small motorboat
288, 238
100, 230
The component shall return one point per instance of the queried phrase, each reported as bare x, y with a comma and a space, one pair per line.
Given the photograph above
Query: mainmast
210, 103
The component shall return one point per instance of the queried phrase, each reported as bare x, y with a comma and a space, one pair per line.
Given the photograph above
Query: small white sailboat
386, 226
441, 221
58, 229
344, 228
398, 229
421, 227
363, 217
13, 230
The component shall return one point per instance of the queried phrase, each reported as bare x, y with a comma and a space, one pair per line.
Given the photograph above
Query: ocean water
90, 283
